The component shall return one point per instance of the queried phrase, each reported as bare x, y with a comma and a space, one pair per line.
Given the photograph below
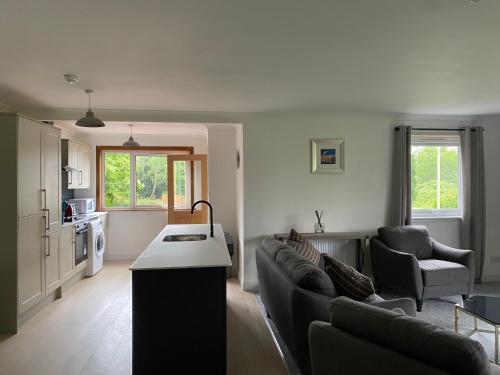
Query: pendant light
89, 121
131, 142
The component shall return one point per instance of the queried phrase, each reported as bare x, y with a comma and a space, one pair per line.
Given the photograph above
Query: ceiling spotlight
89, 121
473, 1
71, 78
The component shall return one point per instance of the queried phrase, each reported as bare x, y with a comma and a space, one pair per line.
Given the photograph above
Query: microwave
84, 205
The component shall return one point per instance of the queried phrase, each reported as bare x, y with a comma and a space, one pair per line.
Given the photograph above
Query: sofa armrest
395, 269
405, 304
464, 257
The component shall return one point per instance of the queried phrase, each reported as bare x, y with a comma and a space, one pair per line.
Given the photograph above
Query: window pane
449, 177
151, 180
182, 187
117, 179
424, 177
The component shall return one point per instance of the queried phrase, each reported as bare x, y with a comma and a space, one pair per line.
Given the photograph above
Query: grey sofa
362, 339
407, 260
295, 292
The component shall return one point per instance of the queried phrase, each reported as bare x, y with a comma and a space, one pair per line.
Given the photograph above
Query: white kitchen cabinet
51, 257
31, 261
67, 252
51, 177
84, 165
29, 269
76, 161
29, 177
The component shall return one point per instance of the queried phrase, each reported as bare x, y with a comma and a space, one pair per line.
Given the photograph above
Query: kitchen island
179, 303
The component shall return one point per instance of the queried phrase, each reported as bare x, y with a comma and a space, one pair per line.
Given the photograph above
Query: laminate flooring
89, 332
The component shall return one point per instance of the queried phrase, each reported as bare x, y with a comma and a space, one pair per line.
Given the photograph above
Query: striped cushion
347, 281
303, 246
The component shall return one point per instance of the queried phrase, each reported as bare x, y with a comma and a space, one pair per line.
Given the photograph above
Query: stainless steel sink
184, 237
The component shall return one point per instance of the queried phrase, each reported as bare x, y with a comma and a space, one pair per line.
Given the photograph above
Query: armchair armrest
395, 269
464, 257
406, 304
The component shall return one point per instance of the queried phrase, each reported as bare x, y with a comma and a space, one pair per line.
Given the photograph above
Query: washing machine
96, 247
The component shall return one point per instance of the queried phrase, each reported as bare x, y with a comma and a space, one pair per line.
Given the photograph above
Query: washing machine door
99, 244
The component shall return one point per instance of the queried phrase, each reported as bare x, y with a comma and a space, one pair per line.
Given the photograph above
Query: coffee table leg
496, 345
457, 315
475, 324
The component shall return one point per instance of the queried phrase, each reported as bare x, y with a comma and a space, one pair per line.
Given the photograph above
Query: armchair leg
419, 302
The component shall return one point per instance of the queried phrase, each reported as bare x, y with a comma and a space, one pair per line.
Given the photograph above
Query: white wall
281, 192
222, 180
129, 232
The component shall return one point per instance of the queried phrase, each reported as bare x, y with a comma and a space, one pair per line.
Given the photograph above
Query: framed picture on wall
327, 156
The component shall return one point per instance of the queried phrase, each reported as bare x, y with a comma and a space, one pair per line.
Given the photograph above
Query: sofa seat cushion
303, 246
411, 239
347, 280
440, 272
304, 273
415, 338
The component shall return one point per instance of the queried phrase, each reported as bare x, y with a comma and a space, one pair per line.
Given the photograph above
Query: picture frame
327, 156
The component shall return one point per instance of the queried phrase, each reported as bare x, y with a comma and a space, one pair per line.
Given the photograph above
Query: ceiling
153, 128
404, 56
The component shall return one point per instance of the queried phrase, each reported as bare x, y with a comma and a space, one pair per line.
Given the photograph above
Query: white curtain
400, 210
473, 195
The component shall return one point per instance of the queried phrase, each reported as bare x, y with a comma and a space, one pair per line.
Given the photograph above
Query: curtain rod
443, 129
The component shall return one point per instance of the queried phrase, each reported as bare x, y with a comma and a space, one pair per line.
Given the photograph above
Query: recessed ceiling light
71, 78
473, 1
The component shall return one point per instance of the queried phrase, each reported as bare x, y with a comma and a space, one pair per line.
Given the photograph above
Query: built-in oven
81, 242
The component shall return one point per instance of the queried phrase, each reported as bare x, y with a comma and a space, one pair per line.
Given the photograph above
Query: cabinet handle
70, 179
81, 177
47, 220
47, 246
44, 199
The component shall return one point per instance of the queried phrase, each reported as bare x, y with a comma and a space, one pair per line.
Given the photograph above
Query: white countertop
85, 217
211, 252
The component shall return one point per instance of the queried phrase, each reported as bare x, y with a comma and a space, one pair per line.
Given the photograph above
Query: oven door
81, 248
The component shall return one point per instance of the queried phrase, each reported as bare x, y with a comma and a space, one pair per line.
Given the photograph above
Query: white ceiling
410, 56
118, 127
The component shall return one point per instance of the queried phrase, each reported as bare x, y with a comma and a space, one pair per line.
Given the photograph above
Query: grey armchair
407, 260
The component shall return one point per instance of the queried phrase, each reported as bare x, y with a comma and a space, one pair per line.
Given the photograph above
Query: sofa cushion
441, 272
273, 246
412, 239
415, 338
304, 273
303, 246
347, 280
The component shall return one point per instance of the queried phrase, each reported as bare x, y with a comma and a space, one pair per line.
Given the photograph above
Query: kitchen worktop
85, 217
211, 252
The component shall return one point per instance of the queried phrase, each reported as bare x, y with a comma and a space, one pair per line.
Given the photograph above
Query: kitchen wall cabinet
31, 217
76, 161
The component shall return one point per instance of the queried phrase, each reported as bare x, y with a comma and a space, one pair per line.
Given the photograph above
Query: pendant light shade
131, 142
90, 121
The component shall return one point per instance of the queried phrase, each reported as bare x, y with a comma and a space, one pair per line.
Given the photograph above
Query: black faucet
211, 215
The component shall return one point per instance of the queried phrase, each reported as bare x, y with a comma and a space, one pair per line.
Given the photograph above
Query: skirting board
121, 256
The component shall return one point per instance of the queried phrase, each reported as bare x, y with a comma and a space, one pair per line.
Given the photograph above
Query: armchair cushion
441, 272
412, 239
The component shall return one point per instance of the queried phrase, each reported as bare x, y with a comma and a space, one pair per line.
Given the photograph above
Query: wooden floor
88, 331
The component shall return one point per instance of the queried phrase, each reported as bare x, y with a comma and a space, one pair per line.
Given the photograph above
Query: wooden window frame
99, 152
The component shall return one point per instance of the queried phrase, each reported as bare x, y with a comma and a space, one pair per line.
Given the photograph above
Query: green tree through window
435, 177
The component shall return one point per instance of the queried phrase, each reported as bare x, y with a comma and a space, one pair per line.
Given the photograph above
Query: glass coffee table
484, 308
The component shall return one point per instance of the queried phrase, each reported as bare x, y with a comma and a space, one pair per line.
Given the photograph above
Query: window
435, 175
137, 178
